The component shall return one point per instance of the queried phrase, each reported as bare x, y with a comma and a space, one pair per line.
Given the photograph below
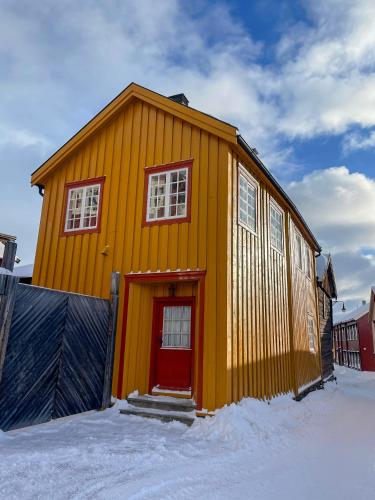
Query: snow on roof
352, 315
25, 271
4, 270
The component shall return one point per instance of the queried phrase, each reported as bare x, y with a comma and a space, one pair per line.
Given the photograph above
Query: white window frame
84, 188
299, 251
311, 334
167, 194
307, 260
274, 206
242, 172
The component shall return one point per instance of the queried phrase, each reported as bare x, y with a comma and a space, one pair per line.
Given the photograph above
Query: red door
173, 337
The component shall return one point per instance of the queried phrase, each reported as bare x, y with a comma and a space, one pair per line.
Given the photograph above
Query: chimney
363, 302
180, 98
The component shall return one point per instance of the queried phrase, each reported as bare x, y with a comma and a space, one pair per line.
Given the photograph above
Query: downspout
40, 189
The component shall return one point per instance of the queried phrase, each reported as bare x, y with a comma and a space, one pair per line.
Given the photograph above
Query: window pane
176, 326
277, 233
310, 332
298, 250
167, 195
83, 206
247, 203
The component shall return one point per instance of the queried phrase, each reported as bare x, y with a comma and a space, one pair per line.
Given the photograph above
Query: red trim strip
201, 342
165, 277
77, 184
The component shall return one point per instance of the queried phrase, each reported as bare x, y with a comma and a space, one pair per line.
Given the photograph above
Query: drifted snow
320, 448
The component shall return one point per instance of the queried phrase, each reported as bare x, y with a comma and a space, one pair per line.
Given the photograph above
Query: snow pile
4, 437
321, 447
253, 424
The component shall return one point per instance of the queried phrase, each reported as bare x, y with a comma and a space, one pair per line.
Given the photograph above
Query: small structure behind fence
56, 352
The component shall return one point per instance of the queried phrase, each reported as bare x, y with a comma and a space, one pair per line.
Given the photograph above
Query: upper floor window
277, 230
310, 332
298, 250
83, 206
308, 261
168, 193
247, 205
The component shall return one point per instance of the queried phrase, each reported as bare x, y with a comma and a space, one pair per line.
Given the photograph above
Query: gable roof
353, 315
131, 92
198, 118
324, 269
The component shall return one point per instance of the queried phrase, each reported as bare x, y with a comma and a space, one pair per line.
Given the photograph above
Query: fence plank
8, 287
30, 369
81, 371
56, 356
108, 373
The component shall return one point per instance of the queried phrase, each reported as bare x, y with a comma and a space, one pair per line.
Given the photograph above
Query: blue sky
296, 77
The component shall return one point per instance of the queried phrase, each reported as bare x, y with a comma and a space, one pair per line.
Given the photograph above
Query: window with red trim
83, 202
167, 193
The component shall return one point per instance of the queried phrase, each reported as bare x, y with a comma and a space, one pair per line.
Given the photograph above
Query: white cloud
22, 138
339, 206
358, 141
63, 61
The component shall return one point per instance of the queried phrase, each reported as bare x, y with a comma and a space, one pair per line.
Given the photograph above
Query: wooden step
164, 416
166, 403
156, 391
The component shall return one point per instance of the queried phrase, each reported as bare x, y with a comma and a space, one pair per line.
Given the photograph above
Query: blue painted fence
55, 361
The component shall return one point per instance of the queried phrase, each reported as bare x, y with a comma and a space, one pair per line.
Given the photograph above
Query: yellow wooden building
218, 296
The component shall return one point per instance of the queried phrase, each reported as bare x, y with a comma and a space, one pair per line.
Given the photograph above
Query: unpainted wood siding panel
139, 136
326, 332
259, 364
304, 298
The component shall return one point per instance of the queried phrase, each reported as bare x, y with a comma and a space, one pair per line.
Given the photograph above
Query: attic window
83, 206
167, 193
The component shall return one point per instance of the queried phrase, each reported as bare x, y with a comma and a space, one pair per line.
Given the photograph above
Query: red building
353, 339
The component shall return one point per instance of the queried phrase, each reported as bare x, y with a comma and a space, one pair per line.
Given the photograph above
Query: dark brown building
326, 293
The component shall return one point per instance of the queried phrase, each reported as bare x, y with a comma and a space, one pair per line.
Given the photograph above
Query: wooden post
108, 372
9, 255
8, 287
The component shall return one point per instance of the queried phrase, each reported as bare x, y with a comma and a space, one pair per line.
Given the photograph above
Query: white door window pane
177, 327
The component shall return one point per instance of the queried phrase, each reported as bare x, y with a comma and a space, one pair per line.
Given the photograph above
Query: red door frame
157, 301
167, 277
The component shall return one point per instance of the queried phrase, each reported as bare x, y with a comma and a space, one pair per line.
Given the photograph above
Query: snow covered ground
320, 448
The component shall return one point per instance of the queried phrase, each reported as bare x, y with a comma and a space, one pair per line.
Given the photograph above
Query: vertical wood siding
304, 291
261, 361
139, 136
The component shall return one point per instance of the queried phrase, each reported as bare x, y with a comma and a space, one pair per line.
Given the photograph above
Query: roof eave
241, 141
134, 91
